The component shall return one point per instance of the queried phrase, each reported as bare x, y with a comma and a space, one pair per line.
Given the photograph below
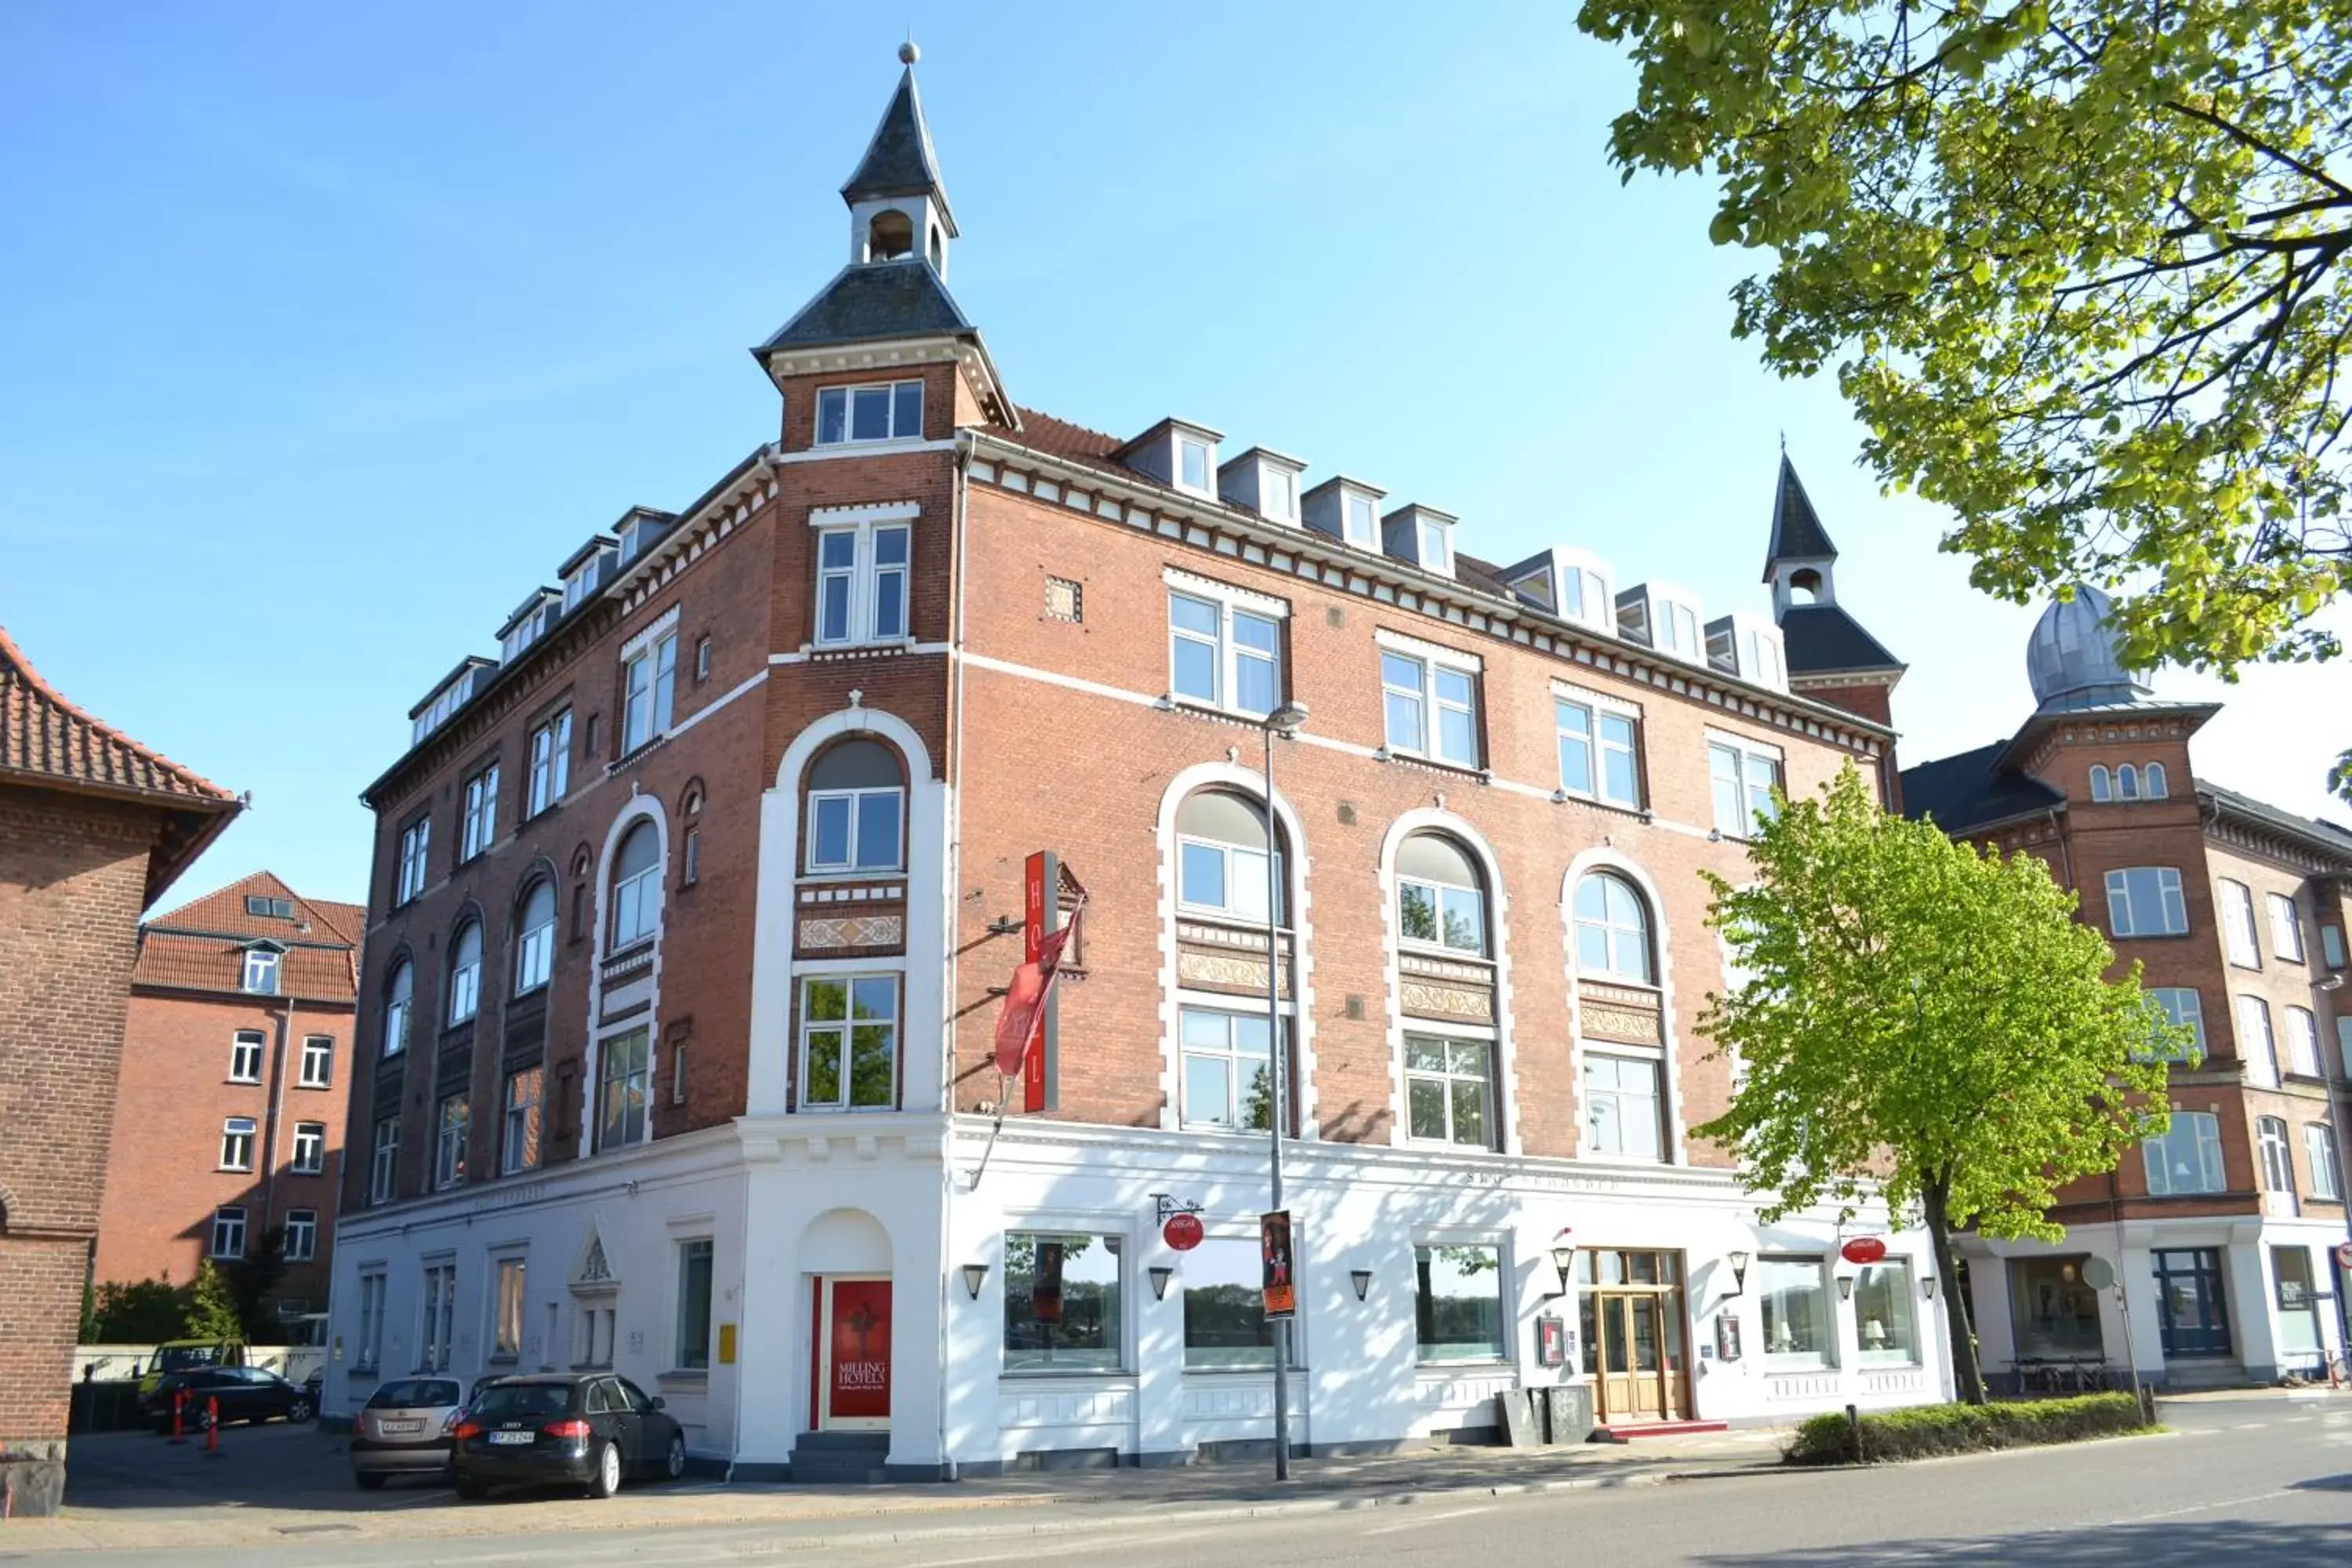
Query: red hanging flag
1025, 1003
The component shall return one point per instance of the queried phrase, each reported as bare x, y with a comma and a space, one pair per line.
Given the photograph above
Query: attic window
269, 908
1363, 526
1434, 556
890, 412
1191, 463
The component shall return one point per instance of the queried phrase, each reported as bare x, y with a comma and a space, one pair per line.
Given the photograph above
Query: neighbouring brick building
691, 912
93, 829
229, 1120
2222, 1233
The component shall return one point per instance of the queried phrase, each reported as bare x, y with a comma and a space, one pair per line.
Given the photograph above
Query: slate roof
871, 300
200, 945
2315, 833
899, 161
1822, 638
46, 739
1972, 790
1797, 531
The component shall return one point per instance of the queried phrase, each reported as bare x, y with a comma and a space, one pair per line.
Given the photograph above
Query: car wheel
370, 1481
299, 1411
469, 1488
608, 1471
200, 1420
674, 1461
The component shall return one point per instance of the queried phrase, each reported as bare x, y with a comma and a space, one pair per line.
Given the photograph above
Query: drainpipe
953, 849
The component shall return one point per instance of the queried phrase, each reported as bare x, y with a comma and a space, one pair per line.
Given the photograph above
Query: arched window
1220, 858
636, 886
535, 939
892, 234
465, 972
857, 802
399, 991
1441, 897
2156, 788
2127, 783
2100, 788
1613, 929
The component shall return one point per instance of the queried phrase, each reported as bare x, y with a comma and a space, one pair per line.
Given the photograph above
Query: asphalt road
2244, 1481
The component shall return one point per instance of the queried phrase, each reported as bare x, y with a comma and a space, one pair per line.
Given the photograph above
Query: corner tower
1831, 656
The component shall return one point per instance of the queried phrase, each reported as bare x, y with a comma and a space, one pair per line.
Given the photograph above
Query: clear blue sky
328, 329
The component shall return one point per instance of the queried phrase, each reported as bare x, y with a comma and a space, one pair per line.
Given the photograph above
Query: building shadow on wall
2172, 1544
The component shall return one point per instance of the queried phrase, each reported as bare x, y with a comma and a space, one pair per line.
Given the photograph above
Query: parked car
189, 1355
244, 1392
586, 1429
403, 1430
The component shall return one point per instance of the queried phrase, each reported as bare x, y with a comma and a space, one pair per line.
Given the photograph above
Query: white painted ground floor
871, 1279
2194, 1302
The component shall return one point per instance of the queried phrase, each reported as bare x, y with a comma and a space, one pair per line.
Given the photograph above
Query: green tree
253, 1279
1925, 1023
142, 1311
2076, 263
211, 1311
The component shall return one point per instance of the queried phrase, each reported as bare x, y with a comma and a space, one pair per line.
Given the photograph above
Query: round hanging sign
1183, 1231
2343, 1254
1864, 1249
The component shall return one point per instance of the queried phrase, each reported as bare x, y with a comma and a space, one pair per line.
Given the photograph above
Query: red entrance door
857, 1358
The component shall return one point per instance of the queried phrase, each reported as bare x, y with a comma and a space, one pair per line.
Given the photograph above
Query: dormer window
1178, 453
1435, 553
1264, 482
1363, 525
1422, 536
1748, 645
890, 411
1191, 463
261, 971
1664, 618
638, 534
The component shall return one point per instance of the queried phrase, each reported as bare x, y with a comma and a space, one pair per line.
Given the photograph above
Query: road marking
2250, 1426
2205, 1506
1429, 1518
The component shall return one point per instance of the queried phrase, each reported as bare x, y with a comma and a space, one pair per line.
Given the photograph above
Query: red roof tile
47, 738
200, 945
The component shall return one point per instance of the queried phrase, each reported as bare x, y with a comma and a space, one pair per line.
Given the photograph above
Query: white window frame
2123, 919
2302, 1042
1227, 650
466, 979
451, 1138
1355, 507
843, 397
535, 945
245, 1055
2182, 1005
480, 823
384, 1159
1599, 745
399, 1007
509, 1294
690, 1248
1235, 1059
647, 709
2274, 1155
1446, 1076
551, 762
2344, 1041
2127, 782
2257, 1043
310, 1155
870, 583
2240, 939
440, 1316
1795, 1359
1756, 770
227, 1240
837, 1036
317, 1068
640, 891
1245, 875
520, 1149
2155, 785
1588, 1097
237, 1134
263, 971
1184, 450
610, 1137
369, 1341
415, 845
2102, 786
301, 1235
2204, 1131
2286, 927
1436, 891
2319, 1152
1429, 658
2331, 944
860, 800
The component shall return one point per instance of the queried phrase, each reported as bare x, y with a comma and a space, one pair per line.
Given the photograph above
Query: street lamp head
1286, 720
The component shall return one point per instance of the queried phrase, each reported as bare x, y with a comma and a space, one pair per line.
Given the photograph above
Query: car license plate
512, 1437
403, 1426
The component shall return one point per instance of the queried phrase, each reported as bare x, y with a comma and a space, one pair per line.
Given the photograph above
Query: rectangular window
693, 1305
2302, 1042
1795, 1302
236, 1144
2182, 1006
2344, 1041
1442, 914
2331, 946
1598, 756
301, 1235
1192, 464
689, 860
1225, 1327
2145, 900
861, 582
415, 839
228, 1233
648, 677
2286, 927
1222, 655
309, 1148
452, 1125
317, 1069
551, 762
1744, 781
1883, 1324
370, 1338
2298, 1306
262, 907
1458, 1304
432, 1338
2055, 1313
1061, 1302
890, 412
384, 1159
2237, 923
244, 1057
1228, 1069
1363, 523
2256, 1048
1223, 879
855, 829
261, 971
2188, 1159
626, 1072
505, 1311
701, 659
479, 825
1432, 709
849, 1043
1621, 1107
1449, 1090
2277, 1162
2320, 1154
518, 1144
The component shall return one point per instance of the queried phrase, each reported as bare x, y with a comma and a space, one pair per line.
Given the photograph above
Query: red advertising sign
1864, 1249
1039, 905
1045, 1284
1181, 1232
1274, 1251
859, 1370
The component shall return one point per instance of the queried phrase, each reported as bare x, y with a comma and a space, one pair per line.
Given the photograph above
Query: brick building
93, 829
691, 912
2222, 1232
229, 1120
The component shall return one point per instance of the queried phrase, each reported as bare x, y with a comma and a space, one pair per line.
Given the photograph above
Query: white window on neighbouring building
535, 938
2286, 927
309, 1148
399, 992
2320, 1154
452, 1124
505, 1311
465, 972
519, 1140
384, 1159
636, 888
261, 971
415, 841
228, 1233
1622, 1106
244, 1057
2277, 1160
1431, 708
236, 1144
693, 1344
2238, 925
301, 1235
862, 582
2145, 900
648, 677
1745, 779
2331, 945
856, 809
1600, 758
369, 1341
1800, 1328
2182, 1006
318, 1071
2256, 1048
1457, 1304
2302, 1042
624, 1082
1449, 1090
2188, 1158
479, 825
551, 762
849, 1042
1224, 654
888, 411
440, 1317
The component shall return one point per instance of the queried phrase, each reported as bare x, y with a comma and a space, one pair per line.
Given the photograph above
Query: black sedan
240, 1393
585, 1429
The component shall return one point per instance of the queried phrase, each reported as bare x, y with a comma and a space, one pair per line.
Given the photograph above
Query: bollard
211, 1427
1854, 1426
179, 1400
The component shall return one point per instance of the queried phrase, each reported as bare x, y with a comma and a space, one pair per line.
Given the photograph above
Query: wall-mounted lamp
1738, 1261
1845, 1286
1362, 1280
1928, 1287
973, 1273
1160, 1273
1563, 1258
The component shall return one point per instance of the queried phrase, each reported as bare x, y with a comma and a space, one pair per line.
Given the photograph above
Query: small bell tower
898, 204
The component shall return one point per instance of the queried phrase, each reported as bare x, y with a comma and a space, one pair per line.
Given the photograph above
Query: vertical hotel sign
1274, 1251
1041, 1088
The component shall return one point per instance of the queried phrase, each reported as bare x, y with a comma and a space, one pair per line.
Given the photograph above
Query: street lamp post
1284, 720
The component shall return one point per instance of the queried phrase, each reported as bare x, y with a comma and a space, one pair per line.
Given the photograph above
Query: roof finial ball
907, 53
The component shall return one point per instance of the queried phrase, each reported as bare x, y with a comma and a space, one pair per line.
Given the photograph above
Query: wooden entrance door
1632, 1315
854, 1359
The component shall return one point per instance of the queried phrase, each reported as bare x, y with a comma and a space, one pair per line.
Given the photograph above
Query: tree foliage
211, 1311
142, 1311
253, 1279
1922, 1022
2076, 262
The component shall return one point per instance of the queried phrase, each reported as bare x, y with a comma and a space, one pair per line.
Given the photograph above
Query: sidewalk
285, 1485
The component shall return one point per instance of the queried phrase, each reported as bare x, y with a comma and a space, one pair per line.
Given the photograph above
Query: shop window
1458, 1304
2055, 1311
1793, 1295
1884, 1324
1062, 1302
1225, 1327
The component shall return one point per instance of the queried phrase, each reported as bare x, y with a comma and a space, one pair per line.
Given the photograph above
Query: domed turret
2072, 661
